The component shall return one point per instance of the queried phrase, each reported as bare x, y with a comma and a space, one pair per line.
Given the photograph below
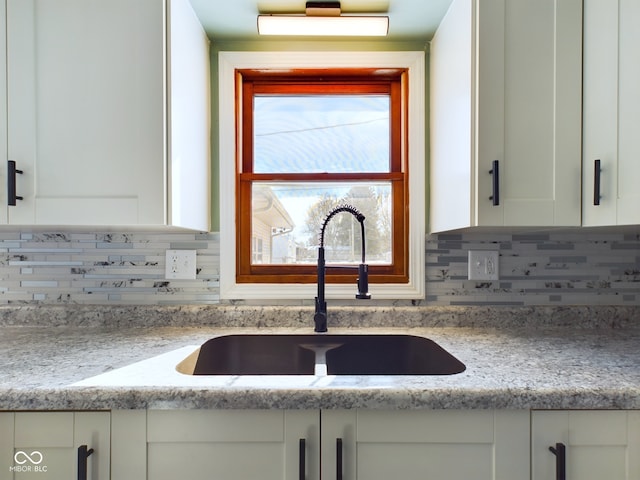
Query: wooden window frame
391, 82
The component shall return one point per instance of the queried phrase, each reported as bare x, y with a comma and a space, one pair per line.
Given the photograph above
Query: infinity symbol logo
23, 457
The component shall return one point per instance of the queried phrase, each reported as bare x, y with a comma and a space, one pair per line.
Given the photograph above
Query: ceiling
237, 19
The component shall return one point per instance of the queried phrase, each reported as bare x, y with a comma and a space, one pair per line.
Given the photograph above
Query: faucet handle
320, 316
363, 282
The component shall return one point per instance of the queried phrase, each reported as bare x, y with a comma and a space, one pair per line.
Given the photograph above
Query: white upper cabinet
108, 113
506, 91
611, 121
4, 194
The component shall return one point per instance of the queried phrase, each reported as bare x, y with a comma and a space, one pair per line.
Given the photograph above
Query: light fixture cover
344, 25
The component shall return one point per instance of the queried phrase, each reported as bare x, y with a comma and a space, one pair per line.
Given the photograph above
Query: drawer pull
338, 459
561, 460
596, 182
302, 459
83, 454
11, 183
495, 172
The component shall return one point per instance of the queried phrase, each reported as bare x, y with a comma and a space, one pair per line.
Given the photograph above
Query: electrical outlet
483, 265
180, 264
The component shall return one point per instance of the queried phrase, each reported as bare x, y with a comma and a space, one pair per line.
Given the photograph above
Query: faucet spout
320, 315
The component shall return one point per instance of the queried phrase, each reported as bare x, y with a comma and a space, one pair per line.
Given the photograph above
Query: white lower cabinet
232, 444
587, 445
55, 445
321, 444
433, 444
327, 444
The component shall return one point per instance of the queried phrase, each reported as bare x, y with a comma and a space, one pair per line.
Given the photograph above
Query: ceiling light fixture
323, 19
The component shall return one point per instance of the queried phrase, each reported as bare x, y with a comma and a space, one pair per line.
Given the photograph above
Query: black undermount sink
316, 354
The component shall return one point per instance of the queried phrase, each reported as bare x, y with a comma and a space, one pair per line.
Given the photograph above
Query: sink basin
250, 355
391, 355
315, 354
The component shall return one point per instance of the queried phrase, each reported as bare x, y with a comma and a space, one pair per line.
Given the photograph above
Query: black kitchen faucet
320, 316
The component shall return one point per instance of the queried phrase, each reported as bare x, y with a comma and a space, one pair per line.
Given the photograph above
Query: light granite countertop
96, 364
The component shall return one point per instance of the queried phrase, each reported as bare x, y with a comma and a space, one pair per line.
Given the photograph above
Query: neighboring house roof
268, 209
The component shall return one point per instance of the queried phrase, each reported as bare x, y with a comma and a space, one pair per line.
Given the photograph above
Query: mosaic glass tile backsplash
579, 268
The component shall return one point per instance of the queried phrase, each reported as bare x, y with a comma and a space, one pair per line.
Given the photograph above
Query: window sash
359, 82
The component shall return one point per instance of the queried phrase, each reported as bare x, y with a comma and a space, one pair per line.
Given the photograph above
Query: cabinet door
506, 86
3, 112
610, 120
128, 444
529, 111
45, 445
598, 444
232, 444
6, 441
189, 119
86, 110
413, 445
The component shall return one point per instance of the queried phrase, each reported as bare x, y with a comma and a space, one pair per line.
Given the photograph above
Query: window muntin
257, 170
257, 252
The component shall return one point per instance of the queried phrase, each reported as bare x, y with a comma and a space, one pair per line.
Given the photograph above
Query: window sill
292, 291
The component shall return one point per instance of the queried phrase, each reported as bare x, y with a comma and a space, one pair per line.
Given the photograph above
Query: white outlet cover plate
483, 265
180, 264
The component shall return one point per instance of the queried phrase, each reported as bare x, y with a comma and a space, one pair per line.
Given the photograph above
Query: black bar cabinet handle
560, 452
495, 172
302, 467
596, 182
83, 454
11, 183
338, 459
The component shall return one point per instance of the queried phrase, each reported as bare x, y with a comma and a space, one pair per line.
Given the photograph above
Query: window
312, 140
304, 139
